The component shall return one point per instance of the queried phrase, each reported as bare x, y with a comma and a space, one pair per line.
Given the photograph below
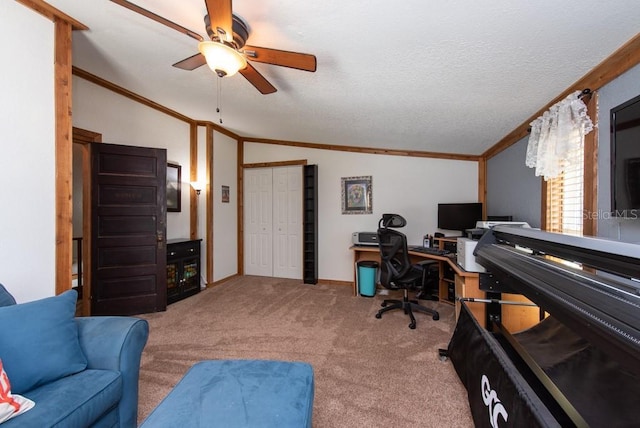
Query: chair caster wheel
378, 316
436, 317
412, 326
383, 304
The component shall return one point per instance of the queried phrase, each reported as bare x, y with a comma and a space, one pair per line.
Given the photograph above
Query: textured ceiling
452, 76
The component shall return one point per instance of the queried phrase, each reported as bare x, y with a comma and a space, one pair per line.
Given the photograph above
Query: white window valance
555, 134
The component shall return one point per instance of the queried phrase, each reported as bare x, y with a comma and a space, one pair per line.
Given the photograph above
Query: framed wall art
173, 187
225, 194
357, 195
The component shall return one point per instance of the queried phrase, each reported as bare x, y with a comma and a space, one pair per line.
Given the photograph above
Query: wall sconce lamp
197, 186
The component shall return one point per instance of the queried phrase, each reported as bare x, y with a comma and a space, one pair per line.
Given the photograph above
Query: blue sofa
80, 372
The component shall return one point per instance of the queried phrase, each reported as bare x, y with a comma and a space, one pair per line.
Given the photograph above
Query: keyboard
428, 250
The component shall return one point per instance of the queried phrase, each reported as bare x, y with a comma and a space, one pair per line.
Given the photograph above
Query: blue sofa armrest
116, 343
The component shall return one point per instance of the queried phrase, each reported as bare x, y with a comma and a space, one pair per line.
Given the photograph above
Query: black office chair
396, 269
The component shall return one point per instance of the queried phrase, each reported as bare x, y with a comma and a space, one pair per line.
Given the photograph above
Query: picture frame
174, 180
357, 195
225, 194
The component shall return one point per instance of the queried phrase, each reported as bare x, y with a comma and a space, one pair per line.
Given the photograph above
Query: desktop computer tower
448, 275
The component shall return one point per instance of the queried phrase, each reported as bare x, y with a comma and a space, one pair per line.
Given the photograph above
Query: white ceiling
449, 76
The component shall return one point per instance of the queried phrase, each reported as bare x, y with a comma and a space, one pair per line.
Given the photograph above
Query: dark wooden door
128, 212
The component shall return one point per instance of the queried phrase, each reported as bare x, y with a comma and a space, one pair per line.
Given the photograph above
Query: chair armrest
116, 343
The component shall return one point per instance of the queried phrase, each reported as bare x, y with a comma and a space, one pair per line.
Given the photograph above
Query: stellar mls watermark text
608, 215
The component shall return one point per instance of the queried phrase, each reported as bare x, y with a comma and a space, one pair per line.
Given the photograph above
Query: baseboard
335, 282
223, 280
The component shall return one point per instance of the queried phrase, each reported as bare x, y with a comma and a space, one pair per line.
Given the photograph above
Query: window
565, 195
569, 202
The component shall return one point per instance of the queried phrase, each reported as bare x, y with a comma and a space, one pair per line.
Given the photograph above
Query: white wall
409, 186
123, 121
27, 158
225, 217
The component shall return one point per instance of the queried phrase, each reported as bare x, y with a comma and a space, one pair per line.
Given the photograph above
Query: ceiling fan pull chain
219, 98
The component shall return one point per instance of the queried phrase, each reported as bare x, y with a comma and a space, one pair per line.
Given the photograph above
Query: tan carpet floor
368, 372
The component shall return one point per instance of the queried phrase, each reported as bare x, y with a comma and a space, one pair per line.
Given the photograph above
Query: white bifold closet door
273, 222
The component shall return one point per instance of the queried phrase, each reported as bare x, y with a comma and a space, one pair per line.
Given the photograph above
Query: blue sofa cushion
73, 401
39, 341
6, 299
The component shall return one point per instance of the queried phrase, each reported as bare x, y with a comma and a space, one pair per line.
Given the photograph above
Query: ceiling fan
227, 52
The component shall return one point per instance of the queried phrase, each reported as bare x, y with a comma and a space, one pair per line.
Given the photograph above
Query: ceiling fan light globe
222, 59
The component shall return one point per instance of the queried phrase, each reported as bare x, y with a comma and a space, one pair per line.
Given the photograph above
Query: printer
364, 238
483, 226
491, 224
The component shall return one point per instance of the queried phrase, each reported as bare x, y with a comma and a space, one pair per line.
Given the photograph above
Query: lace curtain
554, 134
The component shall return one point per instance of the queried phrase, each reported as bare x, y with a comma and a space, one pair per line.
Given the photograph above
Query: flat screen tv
625, 159
459, 216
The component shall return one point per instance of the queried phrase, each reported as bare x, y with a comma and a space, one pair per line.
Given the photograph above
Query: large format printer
580, 366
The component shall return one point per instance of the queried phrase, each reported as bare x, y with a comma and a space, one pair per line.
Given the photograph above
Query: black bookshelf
310, 226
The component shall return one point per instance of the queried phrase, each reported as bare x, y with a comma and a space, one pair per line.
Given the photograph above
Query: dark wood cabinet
310, 224
183, 268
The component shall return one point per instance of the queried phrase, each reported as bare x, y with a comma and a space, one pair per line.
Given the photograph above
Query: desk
467, 284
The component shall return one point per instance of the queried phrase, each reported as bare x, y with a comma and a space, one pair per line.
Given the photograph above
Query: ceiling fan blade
158, 18
300, 61
220, 15
257, 80
192, 62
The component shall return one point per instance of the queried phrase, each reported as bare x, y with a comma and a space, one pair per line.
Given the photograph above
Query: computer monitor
625, 159
459, 216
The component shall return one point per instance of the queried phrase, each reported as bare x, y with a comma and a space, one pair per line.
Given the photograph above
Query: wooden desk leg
356, 257
470, 287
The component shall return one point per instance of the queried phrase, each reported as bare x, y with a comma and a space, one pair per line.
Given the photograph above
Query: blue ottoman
239, 393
